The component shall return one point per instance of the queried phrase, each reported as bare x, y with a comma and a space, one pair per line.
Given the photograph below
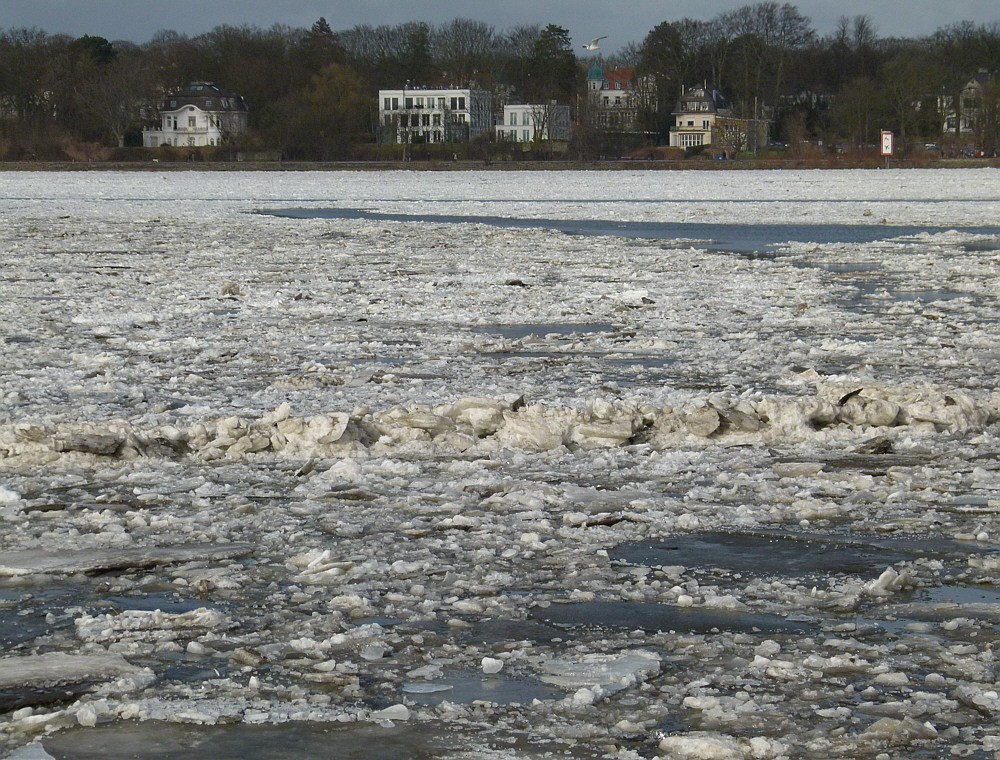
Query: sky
622, 22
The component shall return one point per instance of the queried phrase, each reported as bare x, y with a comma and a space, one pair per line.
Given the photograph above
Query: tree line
311, 92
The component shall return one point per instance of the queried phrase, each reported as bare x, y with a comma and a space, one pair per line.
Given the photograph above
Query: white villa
534, 121
704, 118
425, 115
200, 116
616, 95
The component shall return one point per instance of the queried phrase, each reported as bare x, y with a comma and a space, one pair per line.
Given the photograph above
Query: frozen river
500, 465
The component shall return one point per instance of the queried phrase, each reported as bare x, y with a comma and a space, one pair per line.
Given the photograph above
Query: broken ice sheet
68, 561
301, 740
55, 676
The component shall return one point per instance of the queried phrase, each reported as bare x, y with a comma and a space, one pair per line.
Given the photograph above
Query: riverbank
831, 162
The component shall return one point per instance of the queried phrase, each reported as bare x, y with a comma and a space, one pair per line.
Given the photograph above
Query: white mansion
535, 121
434, 116
202, 115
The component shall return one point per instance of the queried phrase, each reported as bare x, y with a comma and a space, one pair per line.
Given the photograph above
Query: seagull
593, 43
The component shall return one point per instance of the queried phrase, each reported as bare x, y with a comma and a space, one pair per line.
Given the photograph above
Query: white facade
696, 115
616, 96
434, 116
531, 121
200, 116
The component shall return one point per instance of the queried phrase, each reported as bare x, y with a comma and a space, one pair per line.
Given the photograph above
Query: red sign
887, 143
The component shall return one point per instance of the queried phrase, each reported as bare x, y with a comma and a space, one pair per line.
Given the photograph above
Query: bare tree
465, 50
117, 98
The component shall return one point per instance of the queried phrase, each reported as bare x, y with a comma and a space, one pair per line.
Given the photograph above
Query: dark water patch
874, 464
737, 238
941, 604
465, 689
40, 696
981, 246
782, 555
496, 631
866, 297
952, 594
189, 672
662, 618
25, 610
165, 602
298, 741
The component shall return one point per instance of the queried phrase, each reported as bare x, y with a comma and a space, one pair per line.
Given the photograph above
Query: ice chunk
59, 668
605, 672
32, 561
491, 665
395, 712
699, 745
30, 752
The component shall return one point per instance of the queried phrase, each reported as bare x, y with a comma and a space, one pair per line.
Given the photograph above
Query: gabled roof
702, 100
622, 74
207, 97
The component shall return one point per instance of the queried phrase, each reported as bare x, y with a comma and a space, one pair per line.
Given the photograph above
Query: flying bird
593, 43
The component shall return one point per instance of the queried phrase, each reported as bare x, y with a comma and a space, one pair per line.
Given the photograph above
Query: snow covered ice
626, 464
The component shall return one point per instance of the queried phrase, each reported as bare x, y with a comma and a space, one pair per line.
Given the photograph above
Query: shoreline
520, 166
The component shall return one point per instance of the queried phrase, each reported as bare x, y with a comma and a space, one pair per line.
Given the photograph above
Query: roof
596, 72
207, 97
702, 100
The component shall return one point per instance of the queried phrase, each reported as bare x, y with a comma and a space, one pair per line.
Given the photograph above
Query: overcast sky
623, 21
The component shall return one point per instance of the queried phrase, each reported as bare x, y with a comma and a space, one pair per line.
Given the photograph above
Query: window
526, 135
461, 103
690, 122
454, 104
386, 104
175, 122
705, 124
420, 102
425, 119
513, 118
192, 121
409, 103
436, 120
440, 102
691, 140
395, 104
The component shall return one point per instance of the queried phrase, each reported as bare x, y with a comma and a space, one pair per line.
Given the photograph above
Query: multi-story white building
962, 120
200, 116
531, 121
616, 97
423, 115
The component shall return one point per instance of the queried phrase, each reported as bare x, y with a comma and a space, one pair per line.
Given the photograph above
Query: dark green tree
552, 73
97, 49
319, 47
